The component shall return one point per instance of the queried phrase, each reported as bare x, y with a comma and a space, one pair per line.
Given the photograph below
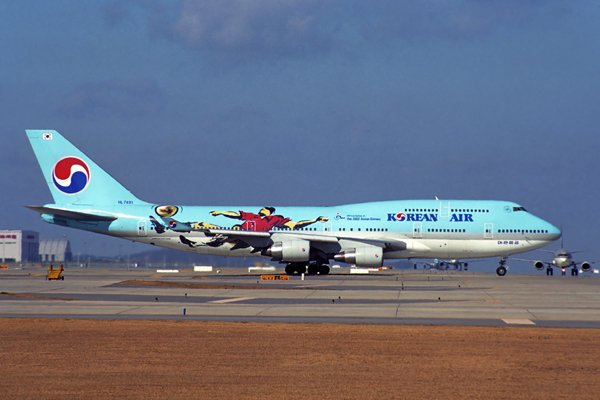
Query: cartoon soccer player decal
265, 220
166, 214
166, 211
197, 226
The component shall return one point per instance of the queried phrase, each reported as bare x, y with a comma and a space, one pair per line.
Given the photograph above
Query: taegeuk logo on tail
71, 175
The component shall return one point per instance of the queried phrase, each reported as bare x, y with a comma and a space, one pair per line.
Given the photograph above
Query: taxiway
389, 297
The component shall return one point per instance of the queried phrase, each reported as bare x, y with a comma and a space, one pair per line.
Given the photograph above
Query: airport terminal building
19, 246
26, 246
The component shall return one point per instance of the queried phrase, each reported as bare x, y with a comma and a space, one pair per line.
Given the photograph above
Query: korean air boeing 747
304, 238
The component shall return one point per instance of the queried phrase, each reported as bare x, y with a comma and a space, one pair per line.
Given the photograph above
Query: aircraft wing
258, 239
546, 263
234, 233
589, 262
523, 259
255, 239
76, 215
386, 243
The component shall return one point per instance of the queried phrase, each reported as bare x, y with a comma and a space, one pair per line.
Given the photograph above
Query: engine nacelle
296, 250
363, 256
539, 265
586, 266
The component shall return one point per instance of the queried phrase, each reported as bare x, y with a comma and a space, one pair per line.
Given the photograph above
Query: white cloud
251, 28
239, 31
126, 98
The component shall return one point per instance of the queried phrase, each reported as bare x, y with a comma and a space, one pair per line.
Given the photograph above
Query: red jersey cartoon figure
265, 220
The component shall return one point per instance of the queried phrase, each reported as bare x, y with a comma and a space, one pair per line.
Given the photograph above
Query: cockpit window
519, 209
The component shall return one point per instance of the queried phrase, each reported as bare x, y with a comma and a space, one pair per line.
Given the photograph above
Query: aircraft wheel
501, 271
289, 269
301, 268
324, 269
313, 269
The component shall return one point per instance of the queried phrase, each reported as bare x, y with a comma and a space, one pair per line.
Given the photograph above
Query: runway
388, 297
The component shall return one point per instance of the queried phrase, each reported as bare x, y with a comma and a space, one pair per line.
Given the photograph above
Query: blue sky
308, 102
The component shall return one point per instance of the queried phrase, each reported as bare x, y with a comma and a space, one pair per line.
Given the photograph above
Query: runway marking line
517, 321
231, 300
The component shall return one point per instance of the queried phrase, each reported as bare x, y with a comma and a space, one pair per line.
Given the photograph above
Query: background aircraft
563, 259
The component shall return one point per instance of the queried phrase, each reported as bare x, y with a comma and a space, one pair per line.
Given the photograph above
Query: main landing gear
302, 268
501, 270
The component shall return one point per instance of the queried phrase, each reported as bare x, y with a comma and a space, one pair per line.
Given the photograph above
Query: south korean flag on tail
47, 136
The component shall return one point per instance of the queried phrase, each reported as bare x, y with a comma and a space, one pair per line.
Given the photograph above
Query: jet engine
539, 265
586, 266
296, 250
362, 256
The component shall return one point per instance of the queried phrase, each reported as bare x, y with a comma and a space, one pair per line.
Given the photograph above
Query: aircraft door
444, 209
327, 227
488, 230
142, 228
417, 230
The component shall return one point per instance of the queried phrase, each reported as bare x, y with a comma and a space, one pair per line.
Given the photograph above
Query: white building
19, 246
55, 250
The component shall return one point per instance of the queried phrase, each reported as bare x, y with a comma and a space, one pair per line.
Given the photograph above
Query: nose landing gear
501, 270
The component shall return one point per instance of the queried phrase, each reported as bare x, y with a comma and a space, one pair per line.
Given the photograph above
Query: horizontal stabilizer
76, 215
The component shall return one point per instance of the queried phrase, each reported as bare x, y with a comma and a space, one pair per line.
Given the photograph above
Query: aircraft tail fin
72, 177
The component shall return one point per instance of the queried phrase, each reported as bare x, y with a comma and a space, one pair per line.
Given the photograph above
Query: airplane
563, 259
304, 238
